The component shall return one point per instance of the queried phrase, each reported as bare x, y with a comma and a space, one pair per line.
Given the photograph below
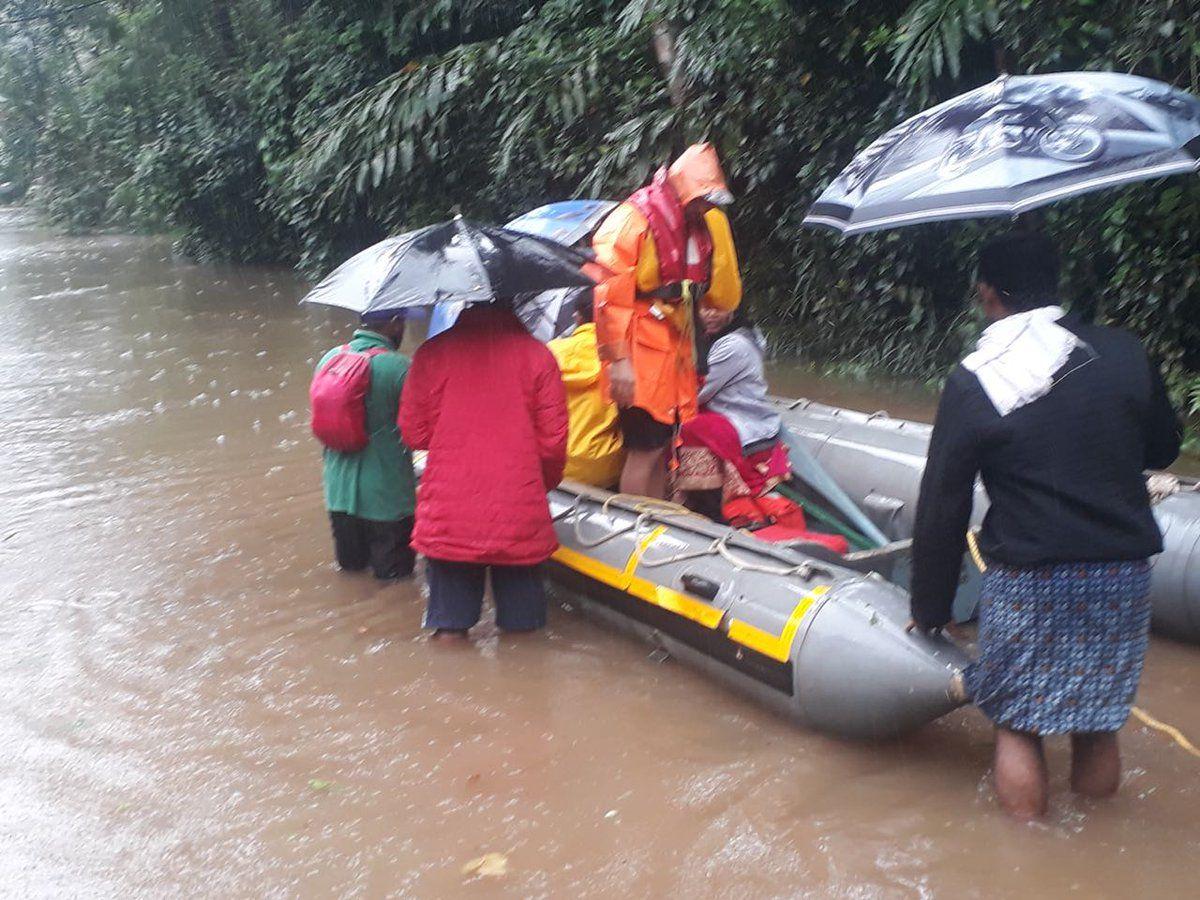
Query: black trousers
384, 546
456, 595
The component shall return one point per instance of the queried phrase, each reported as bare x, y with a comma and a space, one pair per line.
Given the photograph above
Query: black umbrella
461, 261
1013, 145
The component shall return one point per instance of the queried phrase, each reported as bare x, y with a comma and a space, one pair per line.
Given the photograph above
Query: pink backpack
338, 396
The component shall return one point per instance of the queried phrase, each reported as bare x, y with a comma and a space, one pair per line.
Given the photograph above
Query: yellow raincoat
594, 452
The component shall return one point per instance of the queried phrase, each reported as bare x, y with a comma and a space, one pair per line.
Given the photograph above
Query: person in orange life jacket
371, 494
668, 248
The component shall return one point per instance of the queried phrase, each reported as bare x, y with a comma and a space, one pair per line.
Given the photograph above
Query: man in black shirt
1060, 419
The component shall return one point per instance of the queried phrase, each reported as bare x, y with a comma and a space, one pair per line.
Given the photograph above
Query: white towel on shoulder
1016, 358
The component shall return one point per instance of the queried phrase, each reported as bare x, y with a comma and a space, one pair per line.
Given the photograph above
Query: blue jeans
456, 595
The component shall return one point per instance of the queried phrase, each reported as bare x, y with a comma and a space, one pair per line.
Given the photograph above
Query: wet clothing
487, 401
1062, 645
376, 483
753, 471
736, 385
384, 546
657, 335
1063, 473
641, 431
594, 448
456, 596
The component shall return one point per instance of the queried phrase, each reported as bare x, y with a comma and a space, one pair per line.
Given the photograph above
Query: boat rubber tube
879, 461
819, 641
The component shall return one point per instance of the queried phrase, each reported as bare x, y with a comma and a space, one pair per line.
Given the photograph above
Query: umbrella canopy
551, 314
457, 261
1013, 145
566, 222
546, 315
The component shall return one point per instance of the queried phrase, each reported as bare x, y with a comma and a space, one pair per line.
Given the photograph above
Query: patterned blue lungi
1062, 645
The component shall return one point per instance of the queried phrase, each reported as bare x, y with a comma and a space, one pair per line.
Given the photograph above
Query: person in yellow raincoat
668, 247
594, 449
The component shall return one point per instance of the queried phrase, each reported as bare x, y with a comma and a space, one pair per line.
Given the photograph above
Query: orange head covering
697, 175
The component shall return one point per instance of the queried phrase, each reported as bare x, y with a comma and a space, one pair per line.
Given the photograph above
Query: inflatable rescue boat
878, 462
817, 636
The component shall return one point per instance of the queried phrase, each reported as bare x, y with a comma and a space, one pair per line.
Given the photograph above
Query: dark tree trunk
291, 10
223, 24
664, 50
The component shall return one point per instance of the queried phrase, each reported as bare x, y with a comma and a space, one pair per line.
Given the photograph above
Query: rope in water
1169, 730
1138, 713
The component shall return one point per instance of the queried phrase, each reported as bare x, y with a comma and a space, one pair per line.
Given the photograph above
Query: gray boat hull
819, 640
878, 461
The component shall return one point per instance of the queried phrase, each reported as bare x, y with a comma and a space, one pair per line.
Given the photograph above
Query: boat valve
701, 586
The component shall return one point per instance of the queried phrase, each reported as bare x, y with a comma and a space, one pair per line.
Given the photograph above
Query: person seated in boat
486, 400
731, 456
1060, 419
594, 448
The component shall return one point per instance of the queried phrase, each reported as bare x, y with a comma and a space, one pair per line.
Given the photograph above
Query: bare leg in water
645, 473
1020, 774
1095, 764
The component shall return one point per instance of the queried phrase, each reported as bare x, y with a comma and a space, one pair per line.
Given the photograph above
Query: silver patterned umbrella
1013, 145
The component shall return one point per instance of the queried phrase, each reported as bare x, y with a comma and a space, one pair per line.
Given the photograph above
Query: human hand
621, 382
950, 629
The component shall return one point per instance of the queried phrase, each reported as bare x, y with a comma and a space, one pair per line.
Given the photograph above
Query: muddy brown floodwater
193, 702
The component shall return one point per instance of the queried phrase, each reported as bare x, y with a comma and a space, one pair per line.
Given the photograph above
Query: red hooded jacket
486, 400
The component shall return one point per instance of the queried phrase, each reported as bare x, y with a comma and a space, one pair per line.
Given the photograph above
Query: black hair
741, 319
584, 308
1023, 267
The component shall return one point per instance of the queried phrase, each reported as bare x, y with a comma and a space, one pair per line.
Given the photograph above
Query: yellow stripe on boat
671, 600
636, 556
676, 602
592, 568
779, 647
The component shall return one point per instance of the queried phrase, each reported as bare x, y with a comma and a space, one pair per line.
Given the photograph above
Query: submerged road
193, 702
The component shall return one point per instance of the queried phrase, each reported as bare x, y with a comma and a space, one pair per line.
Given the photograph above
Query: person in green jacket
371, 495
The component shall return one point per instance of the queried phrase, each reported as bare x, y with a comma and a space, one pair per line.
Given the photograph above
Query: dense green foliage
300, 130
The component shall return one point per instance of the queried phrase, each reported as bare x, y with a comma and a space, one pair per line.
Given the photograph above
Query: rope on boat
710, 550
720, 547
1138, 713
973, 546
616, 533
805, 570
648, 505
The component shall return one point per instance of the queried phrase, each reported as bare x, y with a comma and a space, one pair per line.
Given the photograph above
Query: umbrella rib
470, 242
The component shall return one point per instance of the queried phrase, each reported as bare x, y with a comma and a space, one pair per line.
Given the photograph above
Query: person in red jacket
487, 401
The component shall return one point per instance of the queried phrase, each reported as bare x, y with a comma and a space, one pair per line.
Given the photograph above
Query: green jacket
378, 482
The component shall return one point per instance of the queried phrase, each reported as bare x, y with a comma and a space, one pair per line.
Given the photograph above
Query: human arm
550, 421
617, 243
944, 505
1164, 432
418, 413
727, 359
725, 285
